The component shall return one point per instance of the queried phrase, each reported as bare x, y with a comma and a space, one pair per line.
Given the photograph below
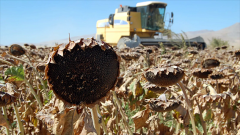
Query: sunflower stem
177, 127
34, 93
5, 116
95, 119
29, 85
38, 76
4, 61
102, 122
201, 119
188, 107
116, 113
34, 69
18, 120
122, 113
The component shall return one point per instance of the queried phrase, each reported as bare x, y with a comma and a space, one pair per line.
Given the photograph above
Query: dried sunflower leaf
6, 99
137, 89
88, 126
140, 118
3, 122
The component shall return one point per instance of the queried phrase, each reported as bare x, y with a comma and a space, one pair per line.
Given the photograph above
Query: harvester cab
131, 26
152, 15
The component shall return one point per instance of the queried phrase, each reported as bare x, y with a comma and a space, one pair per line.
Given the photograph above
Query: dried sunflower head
139, 51
16, 50
210, 63
216, 75
223, 81
203, 99
159, 105
186, 61
224, 47
41, 67
164, 76
193, 52
202, 73
26, 45
130, 56
175, 48
149, 50
82, 72
155, 88
33, 46
237, 53
230, 52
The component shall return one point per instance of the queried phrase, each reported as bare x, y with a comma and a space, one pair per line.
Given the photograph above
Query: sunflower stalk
102, 123
177, 127
34, 93
18, 120
5, 117
218, 90
29, 85
38, 76
116, 112
4, 61
122, 113
163, 48
189, 108
34, 69
95, 119
201, 119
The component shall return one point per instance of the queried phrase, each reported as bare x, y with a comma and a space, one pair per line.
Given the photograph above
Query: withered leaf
88, 128
137, 89
63, 121
3, 121
110, 124
78, 125
140, 118
6, 99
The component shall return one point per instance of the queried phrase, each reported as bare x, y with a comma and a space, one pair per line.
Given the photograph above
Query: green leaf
14, 124
2, 80
50, 95
45, 84
16, 72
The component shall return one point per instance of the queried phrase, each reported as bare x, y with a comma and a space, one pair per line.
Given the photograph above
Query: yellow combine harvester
131, 26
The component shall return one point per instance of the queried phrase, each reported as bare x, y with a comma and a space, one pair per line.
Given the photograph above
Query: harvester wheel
122, 42
127, 42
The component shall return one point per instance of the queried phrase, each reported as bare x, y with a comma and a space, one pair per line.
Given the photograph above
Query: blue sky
34, 21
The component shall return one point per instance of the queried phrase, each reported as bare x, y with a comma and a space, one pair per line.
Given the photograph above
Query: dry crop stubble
143, 113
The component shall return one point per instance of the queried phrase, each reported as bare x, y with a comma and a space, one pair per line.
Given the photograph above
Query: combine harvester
131, 26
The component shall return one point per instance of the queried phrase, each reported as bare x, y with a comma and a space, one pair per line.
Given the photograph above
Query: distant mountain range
230, 34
